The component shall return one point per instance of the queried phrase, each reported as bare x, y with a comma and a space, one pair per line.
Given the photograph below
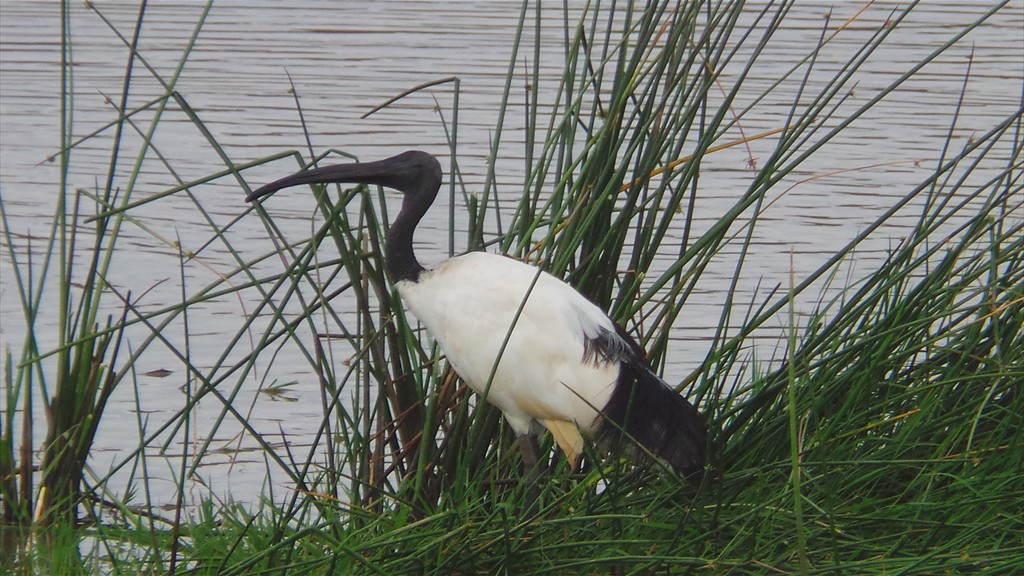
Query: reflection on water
346, 60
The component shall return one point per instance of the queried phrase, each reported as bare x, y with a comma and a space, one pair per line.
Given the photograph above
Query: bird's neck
399, 258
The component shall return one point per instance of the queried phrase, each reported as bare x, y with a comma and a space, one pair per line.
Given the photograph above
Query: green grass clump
887, 438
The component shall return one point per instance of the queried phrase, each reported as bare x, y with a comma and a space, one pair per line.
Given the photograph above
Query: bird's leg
530, 451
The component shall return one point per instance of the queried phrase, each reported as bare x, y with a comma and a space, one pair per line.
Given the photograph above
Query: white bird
524, 340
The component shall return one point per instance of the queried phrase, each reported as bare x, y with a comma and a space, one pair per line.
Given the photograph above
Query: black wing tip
643, 410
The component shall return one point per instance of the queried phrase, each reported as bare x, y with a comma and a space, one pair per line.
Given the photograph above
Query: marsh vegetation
880, 433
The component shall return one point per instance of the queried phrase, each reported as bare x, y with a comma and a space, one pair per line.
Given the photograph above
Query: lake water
345, 59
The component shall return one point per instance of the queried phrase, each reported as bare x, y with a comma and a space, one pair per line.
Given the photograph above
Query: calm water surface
346, 58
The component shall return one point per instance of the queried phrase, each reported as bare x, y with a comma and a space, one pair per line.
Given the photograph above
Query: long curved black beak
406, 172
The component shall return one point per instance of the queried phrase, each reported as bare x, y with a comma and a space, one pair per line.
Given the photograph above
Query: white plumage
523, 339
470, 305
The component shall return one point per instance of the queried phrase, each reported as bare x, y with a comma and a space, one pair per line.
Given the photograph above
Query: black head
413, 172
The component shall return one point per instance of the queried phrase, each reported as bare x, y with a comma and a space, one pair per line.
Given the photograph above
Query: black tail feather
643, 410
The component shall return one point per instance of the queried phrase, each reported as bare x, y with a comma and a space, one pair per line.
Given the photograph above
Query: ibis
524, 340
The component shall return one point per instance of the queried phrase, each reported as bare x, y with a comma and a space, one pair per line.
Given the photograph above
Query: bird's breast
514, 334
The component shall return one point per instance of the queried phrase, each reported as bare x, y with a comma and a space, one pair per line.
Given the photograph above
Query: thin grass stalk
183, 466
795, 443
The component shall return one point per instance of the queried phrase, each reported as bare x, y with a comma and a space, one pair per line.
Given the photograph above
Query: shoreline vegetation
884, 438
